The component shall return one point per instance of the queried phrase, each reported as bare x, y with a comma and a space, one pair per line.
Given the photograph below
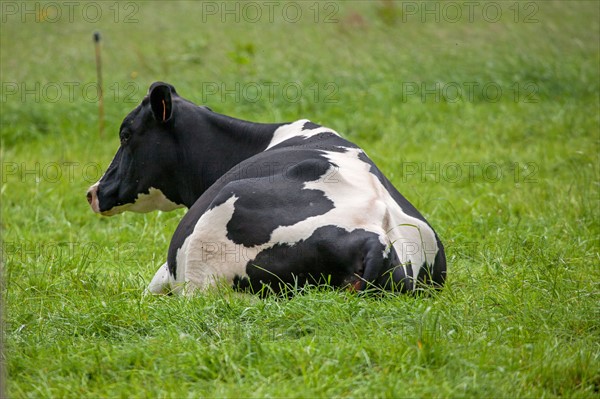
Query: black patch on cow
332, 256
363, 157
326, 141
275, 199
310, 126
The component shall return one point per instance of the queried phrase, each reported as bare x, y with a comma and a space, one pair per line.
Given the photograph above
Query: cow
270, 205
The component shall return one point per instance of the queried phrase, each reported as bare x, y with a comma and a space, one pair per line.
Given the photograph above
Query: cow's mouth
94, 201
144, 202
112, 212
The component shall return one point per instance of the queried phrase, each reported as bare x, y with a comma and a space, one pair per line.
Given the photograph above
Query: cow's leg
383, 272
356, 260
161, 282
210, 263
207, 256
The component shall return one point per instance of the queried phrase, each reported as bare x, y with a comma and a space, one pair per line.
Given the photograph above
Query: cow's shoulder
306, 134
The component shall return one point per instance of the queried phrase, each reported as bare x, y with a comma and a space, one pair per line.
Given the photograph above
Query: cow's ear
161, 101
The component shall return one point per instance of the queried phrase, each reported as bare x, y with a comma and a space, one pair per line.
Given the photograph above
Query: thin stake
100, 91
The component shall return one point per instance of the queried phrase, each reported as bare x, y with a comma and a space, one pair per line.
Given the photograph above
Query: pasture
485, 116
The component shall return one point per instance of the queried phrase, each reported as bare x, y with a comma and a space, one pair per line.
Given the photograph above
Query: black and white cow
270, 205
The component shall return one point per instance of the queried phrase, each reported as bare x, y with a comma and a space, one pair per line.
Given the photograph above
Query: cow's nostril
89, 197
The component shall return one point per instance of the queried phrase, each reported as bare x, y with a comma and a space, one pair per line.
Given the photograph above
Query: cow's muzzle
92, 198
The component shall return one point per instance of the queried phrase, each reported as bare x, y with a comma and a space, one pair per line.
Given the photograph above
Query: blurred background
483, 114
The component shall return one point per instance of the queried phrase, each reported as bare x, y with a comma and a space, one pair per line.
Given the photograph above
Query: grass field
485, 116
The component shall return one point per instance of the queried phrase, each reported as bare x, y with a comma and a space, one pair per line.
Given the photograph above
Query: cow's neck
231, 141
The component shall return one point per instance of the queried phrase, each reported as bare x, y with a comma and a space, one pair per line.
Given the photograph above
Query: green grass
519, 315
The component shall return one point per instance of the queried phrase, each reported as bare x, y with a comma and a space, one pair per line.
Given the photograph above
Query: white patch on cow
153, 201
294, 129
360, 202
207, 255
161, 283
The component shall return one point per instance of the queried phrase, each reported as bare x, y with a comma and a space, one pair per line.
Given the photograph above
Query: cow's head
140, 177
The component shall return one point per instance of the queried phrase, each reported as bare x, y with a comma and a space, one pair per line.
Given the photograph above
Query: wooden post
100, 90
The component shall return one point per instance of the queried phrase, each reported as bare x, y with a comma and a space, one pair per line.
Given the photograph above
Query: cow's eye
125, 136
